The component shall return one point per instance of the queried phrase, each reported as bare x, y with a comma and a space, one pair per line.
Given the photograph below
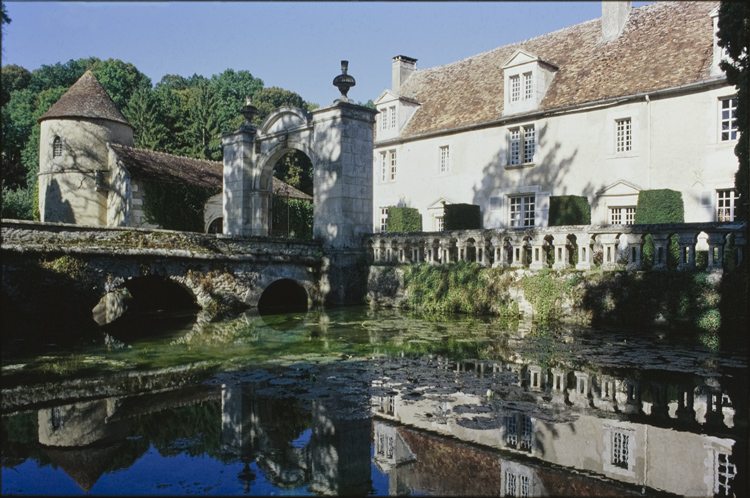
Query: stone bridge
98, 263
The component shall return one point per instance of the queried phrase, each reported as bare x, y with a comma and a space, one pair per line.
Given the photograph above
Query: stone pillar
635, 251
342, 187
561, 251
242, 205
501, 253
715, 244
445, 250
517, 255
661, 245
585, 251
538, 257
462, 247
609, 251
687, 251
483, 252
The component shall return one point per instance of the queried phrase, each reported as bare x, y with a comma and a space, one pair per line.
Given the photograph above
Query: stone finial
249, 111
344, 82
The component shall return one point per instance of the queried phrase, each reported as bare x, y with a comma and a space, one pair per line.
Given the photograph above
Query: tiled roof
87, 98
663, 45
168, 168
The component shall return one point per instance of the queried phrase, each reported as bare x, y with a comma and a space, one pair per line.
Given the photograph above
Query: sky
297, 46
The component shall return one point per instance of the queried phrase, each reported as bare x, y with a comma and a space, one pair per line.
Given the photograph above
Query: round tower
73, 154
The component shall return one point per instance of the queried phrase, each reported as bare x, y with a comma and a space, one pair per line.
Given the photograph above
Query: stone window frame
623, 135
528, 85
522, 145
726, 204
727, 113
621, 215
383, 220
444, 159
522, 209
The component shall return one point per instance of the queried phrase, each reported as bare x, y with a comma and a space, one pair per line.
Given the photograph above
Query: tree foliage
734, 37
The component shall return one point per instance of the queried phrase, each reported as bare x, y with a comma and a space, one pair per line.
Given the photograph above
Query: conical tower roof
87, 98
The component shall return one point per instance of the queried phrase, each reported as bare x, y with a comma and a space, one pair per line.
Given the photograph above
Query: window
383, 219
620, 448
515, 88
522, 210
725, 472
624, 141
393, 116
728, 119
388, 166
57, 147
528, 86
384, 118
726, 200
444, 158
522, 145
622, 215
439, 224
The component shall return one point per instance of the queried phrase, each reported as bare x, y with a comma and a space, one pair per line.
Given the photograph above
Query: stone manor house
604, 109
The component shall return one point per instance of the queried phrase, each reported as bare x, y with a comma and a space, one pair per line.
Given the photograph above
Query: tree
145, 113
269, 99
120, 79
202, 130
734, 37
14, 78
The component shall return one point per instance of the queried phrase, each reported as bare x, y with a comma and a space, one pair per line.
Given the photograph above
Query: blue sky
294, 45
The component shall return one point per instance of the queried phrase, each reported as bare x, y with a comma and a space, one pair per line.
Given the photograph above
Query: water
354, 401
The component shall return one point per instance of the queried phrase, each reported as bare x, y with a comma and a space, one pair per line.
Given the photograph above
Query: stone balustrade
606, 246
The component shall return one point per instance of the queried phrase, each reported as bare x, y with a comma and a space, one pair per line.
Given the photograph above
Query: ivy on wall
176, 207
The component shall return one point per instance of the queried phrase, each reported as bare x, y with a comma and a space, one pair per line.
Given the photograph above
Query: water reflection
358, 402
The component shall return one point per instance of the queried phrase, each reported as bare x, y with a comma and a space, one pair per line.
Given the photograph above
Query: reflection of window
728, 119
725, 204
725, 472
516, 485
620, 449
57, 421
622, 215
526, 433
522, 210
511, 431
57, 147
510, 484
388, 405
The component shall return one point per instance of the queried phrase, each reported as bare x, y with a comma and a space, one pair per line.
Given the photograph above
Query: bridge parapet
29, 236
608, 246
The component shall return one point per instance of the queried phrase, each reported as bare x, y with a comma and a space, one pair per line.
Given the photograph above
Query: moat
356, 401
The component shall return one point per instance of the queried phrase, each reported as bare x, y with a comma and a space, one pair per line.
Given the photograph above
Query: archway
283, 296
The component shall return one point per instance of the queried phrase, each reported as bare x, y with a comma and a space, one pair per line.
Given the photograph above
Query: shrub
292, 218
19, 204
659, 206
462, 217
569, 210
176, 207
403, 219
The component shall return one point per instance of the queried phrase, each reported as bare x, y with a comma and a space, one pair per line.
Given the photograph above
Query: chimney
403, 66
614, 16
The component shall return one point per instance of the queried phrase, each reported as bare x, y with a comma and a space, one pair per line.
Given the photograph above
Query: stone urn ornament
344, 82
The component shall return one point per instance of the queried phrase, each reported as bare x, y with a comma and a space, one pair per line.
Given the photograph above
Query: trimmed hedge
462, 217
569, 210
403, 219
659, 206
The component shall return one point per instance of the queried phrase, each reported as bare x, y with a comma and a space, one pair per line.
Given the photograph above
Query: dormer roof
88, 99
662, 45
523, 57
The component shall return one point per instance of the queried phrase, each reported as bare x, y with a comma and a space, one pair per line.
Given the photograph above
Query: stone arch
283, 294
264, 279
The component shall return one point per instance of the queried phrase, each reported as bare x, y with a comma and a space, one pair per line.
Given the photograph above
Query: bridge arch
284, 294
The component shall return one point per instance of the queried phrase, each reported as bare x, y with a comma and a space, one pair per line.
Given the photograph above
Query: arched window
57, 148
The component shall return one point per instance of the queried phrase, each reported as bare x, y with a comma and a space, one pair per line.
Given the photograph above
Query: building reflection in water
682, 440
434, 426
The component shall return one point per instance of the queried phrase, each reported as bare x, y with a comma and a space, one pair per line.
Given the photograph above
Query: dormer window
527, 79
57, 147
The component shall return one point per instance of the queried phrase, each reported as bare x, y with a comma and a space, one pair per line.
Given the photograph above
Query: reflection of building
616, 426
